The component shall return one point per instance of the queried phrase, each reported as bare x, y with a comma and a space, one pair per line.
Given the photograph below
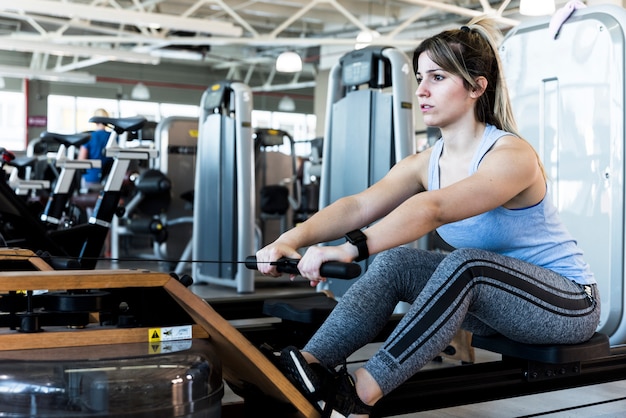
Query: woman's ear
481, 86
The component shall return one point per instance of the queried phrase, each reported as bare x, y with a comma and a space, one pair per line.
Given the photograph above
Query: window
12, 120
68, 114
300, 126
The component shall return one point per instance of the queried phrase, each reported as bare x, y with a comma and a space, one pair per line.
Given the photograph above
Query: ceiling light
365, 37
177, 54
536, 7
289, 62
286, 104
140, 92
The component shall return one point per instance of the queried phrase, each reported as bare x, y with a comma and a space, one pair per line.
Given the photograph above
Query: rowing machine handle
335, 269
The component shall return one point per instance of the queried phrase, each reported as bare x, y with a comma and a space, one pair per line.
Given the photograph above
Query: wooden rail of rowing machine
242, 363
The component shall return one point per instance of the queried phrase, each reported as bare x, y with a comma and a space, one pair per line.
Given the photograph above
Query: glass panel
168, 109
12, 120
61, 114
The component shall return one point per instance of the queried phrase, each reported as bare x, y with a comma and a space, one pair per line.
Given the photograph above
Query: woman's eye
419, 80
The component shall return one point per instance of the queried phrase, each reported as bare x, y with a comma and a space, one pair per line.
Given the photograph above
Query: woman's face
442, 96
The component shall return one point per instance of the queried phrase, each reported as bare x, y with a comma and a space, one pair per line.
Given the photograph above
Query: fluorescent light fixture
46, 75
289, 62
140, 92
177, 55
286, 104
536, 7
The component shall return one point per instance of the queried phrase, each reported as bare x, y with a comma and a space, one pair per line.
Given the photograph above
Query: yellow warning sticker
154, 334
169, 333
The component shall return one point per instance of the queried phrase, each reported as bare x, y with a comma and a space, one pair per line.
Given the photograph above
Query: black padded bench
546, 361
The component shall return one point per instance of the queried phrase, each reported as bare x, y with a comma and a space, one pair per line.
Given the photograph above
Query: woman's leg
395, 275
519, 300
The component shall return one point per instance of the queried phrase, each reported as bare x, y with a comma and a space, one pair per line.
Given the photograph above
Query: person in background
94, 150
514, 268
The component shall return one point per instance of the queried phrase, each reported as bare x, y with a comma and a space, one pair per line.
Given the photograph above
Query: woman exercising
515, 269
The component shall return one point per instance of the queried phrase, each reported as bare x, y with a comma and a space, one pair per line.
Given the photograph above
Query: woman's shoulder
501, 138
508, 140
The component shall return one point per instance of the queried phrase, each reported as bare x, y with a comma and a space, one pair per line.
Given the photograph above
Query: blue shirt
95, 151
534, 234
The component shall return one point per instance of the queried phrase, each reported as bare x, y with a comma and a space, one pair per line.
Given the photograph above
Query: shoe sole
304, 378
301, 379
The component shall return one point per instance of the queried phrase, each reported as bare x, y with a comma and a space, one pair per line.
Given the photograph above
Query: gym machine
55, 212
176, 138
279, 188
80, 245
578, 129
224, 196
369, 124
159, 207
19, 174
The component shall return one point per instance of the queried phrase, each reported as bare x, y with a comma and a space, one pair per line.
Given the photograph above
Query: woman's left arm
509, 175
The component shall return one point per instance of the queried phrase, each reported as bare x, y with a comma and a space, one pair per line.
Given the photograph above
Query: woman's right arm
348, 213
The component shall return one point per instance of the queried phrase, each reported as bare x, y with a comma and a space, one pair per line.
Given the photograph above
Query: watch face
356, 236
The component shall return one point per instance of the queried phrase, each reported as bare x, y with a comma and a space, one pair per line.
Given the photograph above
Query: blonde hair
101, 112
471, 52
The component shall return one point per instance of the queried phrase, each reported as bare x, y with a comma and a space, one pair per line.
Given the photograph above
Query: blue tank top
534, 234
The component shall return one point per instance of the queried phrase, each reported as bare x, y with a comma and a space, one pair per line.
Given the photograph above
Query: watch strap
359, 240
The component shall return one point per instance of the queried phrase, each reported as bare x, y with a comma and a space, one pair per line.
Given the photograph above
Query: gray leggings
479, 291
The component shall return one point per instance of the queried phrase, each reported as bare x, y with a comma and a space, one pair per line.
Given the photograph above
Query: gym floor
607, 400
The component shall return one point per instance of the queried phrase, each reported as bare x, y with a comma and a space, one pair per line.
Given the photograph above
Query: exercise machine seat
596, 347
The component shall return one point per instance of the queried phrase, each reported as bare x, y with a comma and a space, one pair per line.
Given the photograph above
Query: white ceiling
237, 37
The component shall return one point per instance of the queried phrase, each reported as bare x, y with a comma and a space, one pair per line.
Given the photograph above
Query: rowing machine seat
597, 346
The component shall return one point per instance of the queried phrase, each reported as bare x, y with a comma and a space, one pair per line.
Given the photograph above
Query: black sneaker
313, 380
342, 398
333, 392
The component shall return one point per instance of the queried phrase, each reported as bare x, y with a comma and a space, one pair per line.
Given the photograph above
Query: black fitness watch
359, 240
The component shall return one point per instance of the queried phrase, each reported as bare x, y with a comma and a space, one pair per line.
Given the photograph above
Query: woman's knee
467, 254
408, 256
461, 256
404, 259
404, 269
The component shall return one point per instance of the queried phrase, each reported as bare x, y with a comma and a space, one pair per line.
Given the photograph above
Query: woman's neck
462, 138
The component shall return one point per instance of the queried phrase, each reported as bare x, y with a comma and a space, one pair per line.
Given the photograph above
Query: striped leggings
476, 290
